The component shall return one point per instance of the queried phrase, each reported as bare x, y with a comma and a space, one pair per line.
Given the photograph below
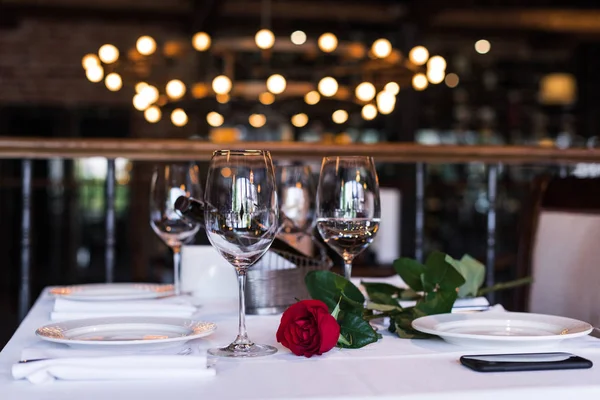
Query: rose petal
329, 331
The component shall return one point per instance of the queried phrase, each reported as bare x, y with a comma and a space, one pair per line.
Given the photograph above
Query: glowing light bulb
452, 80
311, 98
420, 82
392, 87
381, 48
300, 120
145, 45
113, 82
327, 42
108, 53
94, 73
483, 46
276, 84
201, 41
328, 86
436, 76
386, 102
264, 39
369, 112
140, 103
175, 89
214, 119
90, 60
153, 114
266, 98
140, 86
150, 93
179, 117
223, 98
340, 116
257, 120
418, 55
365, 91
221, 84
436, 62
298, 38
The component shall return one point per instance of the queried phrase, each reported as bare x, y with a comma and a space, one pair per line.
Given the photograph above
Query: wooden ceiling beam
572, 21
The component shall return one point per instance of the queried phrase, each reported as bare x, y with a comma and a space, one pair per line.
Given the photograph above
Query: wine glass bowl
348, 209
168, 183
241, 217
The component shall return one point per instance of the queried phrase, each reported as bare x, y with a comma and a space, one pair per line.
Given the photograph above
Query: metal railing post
491, 228
420, 211
24, 293
109, 252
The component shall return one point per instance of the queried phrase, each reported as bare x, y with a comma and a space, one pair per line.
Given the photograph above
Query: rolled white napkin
139, 367
467, 304
65, 309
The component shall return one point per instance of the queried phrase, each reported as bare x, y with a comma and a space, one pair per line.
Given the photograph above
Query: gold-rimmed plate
113, 291
502, 329
148, 332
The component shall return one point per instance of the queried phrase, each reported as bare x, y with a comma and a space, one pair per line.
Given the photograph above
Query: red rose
307, 328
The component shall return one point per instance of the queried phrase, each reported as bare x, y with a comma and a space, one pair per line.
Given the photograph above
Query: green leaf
401, 324
336, 310
357, 332
439, 302
409, 294
439, 275
383, 298
410, 271
342, 341
329, 288
383, 307
472, 270
376, 287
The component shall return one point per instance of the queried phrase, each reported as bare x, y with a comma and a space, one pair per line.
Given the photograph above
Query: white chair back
566, 266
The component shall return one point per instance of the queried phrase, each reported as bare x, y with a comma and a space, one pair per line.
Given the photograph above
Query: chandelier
251, 79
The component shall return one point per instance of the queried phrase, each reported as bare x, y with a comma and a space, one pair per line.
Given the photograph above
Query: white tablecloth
392, 368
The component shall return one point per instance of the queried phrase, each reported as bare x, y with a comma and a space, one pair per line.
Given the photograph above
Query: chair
560, 249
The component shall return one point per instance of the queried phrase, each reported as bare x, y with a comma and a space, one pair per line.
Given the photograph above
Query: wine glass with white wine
348, 210
241, 218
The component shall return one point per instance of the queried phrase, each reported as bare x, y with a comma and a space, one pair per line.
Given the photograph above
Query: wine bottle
193, 210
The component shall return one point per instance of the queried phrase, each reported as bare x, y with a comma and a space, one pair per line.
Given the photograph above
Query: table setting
327, 336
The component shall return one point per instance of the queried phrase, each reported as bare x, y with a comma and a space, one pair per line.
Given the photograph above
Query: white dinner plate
113, 291
502, 329
148, 332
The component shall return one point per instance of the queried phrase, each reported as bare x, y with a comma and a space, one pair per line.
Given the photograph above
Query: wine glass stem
177, 269
347, 269
242, 337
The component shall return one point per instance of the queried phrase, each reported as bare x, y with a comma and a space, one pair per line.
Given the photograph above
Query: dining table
392, 368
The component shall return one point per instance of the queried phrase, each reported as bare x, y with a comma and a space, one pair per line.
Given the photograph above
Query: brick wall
40, 64
40, 60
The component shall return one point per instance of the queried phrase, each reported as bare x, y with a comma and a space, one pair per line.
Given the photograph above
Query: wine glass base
243, 350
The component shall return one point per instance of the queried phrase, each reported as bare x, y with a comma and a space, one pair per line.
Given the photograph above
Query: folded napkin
61, 362
147, 367
65, 309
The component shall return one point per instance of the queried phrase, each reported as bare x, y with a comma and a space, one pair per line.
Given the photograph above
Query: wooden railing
176, 149
28, 149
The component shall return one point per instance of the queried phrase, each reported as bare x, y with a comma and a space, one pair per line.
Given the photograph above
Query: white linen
66, 309
138, 367
392, 368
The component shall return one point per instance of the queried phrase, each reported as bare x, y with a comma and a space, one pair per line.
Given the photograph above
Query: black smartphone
524, 362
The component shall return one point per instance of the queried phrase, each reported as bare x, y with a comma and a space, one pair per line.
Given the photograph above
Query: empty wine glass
348, 211
168, 183
297, 191
241, 219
